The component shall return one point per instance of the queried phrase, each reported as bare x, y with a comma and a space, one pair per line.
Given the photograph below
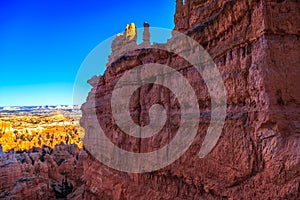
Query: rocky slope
42, 173
255, 45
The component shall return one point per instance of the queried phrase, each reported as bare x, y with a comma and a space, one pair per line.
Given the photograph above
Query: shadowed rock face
255, 45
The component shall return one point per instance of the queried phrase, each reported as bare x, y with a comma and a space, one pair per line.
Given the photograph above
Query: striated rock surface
255, 45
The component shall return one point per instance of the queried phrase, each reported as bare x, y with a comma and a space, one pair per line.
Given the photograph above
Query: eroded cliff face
255, 45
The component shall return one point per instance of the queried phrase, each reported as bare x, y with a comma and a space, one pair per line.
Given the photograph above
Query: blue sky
43, 43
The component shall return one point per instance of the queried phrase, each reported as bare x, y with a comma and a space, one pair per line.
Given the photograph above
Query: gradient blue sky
43, 43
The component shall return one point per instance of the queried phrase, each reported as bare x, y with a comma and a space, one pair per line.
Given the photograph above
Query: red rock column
146, 34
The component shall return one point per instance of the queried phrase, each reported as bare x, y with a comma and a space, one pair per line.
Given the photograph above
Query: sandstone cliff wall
255, 45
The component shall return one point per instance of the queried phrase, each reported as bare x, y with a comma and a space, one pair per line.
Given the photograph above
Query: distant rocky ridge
67, 110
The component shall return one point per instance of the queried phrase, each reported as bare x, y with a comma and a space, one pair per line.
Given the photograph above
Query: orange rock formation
24, 132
